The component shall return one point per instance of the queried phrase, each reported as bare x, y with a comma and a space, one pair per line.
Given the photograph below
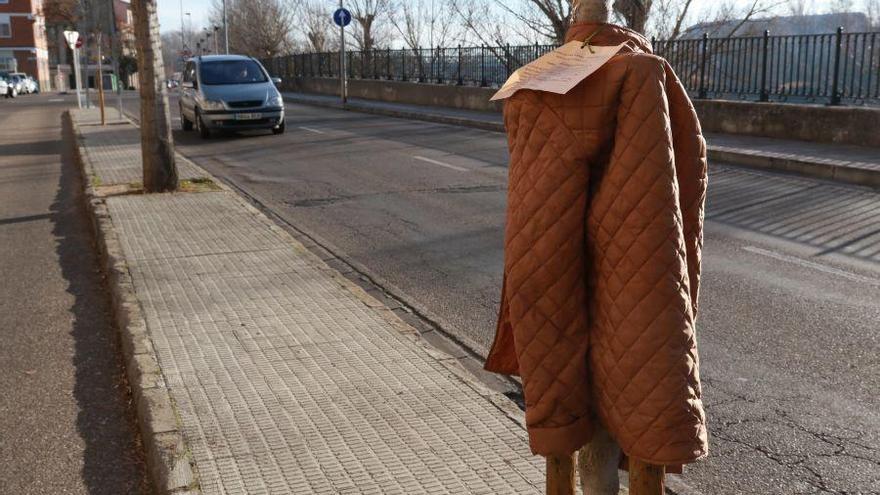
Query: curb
857, 174
169, 463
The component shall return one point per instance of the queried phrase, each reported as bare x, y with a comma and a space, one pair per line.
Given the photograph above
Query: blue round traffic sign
342, 17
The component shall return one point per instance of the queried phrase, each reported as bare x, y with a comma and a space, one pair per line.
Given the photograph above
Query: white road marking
813, 265
55, 100
316, 131
435, 162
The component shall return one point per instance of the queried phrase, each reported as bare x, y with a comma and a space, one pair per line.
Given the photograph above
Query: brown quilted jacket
602, 258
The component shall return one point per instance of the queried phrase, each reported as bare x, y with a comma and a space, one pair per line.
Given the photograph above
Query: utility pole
343, 73
99, 80
85, 51
225, 28
157, 143
182, 35
116, 41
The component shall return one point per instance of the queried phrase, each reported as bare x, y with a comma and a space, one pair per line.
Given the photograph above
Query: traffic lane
789, 367
65, 422
353, 179
786, 330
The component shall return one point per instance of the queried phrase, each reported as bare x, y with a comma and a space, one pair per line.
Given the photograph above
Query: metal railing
837, 68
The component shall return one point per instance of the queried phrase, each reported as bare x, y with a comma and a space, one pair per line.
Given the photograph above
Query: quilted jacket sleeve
691, 168
643, 353
545, 289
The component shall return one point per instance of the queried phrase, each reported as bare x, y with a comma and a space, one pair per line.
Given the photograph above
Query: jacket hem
563, 440
673, 465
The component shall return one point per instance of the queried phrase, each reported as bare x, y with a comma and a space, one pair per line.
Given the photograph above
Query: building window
5, 26
7, 62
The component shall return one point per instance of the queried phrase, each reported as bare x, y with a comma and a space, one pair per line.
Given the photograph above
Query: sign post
100, 80
342, 18
74, 42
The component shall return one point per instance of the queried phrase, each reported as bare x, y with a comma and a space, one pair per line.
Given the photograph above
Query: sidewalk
842, 163
284, 377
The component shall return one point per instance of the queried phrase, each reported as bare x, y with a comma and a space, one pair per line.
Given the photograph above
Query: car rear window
232, 72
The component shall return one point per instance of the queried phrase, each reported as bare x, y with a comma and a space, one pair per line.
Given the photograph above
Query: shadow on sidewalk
28, 148
113, 461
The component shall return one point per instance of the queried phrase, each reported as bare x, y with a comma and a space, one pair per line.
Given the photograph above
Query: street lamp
189, 22
225, 28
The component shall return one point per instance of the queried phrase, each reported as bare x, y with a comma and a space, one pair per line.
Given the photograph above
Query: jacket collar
606, 35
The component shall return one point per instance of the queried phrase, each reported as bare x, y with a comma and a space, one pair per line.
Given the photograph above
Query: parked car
32, 86
11, 89
4, 88
17, 81
229, 92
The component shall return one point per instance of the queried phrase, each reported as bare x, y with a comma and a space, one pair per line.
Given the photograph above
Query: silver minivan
231, 93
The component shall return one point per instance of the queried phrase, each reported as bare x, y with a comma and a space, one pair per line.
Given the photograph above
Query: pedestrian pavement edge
837, 171
169, 461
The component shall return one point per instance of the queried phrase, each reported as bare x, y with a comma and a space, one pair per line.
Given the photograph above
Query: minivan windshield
232, 72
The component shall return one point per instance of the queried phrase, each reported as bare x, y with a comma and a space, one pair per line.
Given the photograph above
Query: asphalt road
66, 423
789, 333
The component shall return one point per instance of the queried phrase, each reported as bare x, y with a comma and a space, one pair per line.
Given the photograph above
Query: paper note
560, 70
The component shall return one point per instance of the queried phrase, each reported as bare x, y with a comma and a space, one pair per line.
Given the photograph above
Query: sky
169, 11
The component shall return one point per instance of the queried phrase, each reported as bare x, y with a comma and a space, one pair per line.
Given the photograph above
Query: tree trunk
635, 12
157, 143
591, 10
560, 475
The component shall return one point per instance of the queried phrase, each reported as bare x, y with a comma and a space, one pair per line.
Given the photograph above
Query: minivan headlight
212, 105
275, 101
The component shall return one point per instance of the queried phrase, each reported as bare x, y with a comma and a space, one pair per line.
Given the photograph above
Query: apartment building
23, 39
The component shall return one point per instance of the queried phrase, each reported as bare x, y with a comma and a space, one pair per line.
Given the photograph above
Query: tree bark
591, 10
560, 475
635, 12
157, 143
645, 479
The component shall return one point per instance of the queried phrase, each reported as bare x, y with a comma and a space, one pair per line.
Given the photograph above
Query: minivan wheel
204, 132
185, 123
278, 130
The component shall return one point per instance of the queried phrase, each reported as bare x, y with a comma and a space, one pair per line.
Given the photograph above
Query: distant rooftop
784, 25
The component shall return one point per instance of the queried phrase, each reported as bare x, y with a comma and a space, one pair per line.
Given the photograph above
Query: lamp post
225, 28
216, 46
182, 35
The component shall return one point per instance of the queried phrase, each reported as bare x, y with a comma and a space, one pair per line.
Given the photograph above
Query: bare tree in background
369, 16
497, 22
413, 20
66, 12
798, 7
314, 21
259, 28
667, 18
840, 6
872, 8
547, 18
157, 144
485, 29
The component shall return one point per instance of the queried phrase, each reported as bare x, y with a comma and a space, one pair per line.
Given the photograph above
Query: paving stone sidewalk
287, 377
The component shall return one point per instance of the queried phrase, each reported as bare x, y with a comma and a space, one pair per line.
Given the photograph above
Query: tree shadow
113, 461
